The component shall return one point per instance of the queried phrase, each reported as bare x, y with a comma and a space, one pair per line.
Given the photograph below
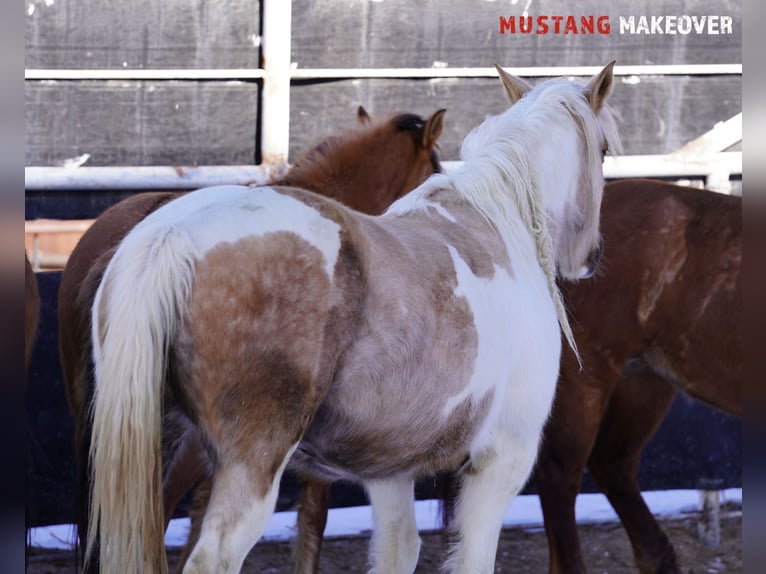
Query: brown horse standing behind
387, 156
664, 314
31, 311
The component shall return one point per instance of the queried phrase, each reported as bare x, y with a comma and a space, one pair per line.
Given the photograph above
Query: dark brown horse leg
635, 411
196, 514
567, 441
187, 467
312, 519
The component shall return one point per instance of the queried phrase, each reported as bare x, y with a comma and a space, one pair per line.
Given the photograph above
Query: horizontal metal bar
537, 71
660, 165
243, 74
722, 136
248, 74
146, 177
673, 166
165, 177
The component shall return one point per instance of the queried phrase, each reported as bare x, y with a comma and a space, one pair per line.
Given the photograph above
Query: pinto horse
367, 167
375, 349
664, 314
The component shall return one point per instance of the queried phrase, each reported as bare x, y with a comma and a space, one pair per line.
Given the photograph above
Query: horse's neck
362, 187
316, 178
516, 212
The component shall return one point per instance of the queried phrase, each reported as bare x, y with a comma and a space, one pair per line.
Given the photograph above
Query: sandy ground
606, 547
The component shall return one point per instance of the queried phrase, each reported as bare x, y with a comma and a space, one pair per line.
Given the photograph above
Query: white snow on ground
524, 512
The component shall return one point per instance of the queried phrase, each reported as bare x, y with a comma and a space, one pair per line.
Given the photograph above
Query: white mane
531, 154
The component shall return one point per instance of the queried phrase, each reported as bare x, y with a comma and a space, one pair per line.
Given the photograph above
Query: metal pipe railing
296, 73
180, 178
147, 177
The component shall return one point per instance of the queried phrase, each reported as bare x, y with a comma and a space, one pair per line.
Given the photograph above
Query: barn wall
212, 122
417, 33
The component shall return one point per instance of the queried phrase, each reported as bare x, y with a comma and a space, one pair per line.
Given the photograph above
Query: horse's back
447, 276
682, 248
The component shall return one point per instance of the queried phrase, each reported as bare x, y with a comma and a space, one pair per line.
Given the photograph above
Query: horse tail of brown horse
135, 312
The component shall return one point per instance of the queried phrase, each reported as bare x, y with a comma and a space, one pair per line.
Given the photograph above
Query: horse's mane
331, 157
502, 157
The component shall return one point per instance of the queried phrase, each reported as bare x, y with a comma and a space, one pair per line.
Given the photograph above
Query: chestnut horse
664, 314
367, 167
31, 311
373, 349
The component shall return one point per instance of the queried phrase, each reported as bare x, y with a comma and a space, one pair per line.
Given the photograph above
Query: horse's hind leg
395, 543
187, 462
487, 490
312, 519
200, 501
635, 411
241, 502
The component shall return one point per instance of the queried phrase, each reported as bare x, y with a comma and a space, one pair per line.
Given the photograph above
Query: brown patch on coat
251, 345
481, 249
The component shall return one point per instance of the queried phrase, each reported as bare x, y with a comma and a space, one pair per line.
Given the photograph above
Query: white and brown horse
373, 349
366, 167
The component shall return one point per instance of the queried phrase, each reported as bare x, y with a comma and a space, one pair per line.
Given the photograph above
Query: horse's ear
432, 130
600, 87
514, 87
362, 116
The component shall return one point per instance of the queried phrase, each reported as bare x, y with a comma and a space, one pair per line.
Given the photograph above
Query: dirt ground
521, 551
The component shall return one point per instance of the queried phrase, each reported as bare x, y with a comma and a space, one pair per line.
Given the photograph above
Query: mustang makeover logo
570, 25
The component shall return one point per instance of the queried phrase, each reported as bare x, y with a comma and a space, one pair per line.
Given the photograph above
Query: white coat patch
488, 299
247, 212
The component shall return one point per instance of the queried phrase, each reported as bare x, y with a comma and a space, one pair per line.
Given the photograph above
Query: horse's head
371, 165
573, 135
400, 150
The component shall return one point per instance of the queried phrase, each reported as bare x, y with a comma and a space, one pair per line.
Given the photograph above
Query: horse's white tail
135, 313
